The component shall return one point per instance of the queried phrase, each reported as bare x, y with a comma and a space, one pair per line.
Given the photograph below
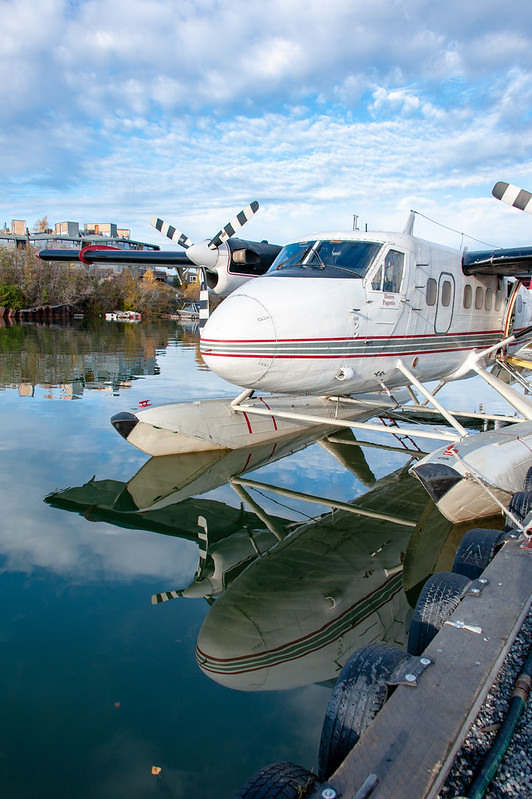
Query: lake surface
99, 685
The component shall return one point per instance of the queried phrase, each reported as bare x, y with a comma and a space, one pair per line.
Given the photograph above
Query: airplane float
337, 327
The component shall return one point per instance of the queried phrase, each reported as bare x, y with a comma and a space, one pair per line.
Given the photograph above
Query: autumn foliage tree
27, 282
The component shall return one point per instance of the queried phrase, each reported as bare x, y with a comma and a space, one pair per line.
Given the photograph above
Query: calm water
98, 685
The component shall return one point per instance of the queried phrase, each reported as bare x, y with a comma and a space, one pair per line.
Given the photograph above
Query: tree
41, 225
11, 296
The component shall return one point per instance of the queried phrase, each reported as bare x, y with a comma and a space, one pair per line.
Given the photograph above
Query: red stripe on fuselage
209, 661
348, 338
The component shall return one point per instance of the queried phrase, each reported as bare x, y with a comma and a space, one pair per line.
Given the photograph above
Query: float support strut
421, 388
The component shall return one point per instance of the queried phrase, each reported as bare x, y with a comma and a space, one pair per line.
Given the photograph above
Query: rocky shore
514, 777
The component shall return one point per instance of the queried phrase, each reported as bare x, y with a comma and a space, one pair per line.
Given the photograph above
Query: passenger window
432, 291
468, 295
498, 301
488, 302
446, 293
479, 298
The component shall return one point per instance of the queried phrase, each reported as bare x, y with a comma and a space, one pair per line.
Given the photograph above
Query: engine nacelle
239, 261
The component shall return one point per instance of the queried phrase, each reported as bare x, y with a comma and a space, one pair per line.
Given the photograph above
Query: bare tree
41, 225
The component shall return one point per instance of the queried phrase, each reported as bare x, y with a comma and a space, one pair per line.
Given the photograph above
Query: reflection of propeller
513, 195
203, 541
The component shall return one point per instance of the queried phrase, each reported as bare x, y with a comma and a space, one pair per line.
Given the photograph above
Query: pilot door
385, 293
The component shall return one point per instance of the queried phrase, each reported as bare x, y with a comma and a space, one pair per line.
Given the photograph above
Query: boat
189, 312
123, 316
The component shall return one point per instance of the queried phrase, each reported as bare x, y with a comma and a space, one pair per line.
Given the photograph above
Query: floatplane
335, 328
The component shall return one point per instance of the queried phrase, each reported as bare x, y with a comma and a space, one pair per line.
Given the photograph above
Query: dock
408, 750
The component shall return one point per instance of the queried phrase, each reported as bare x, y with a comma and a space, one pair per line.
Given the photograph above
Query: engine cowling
239, 261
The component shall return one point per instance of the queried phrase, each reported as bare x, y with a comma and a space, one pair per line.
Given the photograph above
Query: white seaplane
334, 328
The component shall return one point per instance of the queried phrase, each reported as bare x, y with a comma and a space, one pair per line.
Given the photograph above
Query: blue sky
117, 111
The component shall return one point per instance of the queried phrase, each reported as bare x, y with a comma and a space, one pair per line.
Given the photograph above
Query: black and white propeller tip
225, 233
234, 225
171, 232
513, 195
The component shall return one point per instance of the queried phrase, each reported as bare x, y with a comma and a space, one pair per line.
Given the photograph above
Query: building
107, 229
69, 235
70, 229
18, 227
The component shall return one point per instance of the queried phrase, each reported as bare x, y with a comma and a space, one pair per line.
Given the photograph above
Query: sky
117, 110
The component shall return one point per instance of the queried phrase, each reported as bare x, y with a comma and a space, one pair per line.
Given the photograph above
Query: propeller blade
164, 596
203, 316
513, 195
171, 232
235, 224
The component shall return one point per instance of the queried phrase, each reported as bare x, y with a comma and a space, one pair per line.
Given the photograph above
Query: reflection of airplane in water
290, 601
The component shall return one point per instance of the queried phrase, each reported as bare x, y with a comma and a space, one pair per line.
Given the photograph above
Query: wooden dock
411, 745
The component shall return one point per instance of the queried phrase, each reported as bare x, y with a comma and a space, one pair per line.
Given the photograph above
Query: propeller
203, 541
513, 195
225, 233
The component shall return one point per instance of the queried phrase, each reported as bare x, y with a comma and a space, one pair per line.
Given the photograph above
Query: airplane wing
506, 262
97, 254
247, 257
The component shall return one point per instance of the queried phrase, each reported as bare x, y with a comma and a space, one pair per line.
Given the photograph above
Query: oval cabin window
446, 293
468, 296
479, 298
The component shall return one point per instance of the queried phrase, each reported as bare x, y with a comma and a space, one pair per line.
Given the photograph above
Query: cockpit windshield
326, 257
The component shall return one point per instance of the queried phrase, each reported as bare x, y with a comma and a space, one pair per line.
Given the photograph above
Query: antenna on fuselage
355, 222
409, 227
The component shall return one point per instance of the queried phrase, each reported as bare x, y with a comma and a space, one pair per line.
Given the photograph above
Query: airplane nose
230, 648
239, 340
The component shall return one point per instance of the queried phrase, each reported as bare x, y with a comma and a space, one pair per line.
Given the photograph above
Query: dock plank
412, 743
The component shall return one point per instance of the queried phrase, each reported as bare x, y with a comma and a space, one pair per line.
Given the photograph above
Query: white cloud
190, 111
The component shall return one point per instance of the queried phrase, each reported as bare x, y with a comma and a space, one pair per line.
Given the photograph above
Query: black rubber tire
520, 505
439, 597
278, 781
528, 480
476, 550
360, 692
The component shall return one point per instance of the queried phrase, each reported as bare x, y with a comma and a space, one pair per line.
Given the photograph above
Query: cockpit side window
390, 274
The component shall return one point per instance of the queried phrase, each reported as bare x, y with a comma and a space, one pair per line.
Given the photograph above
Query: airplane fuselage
336, 312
